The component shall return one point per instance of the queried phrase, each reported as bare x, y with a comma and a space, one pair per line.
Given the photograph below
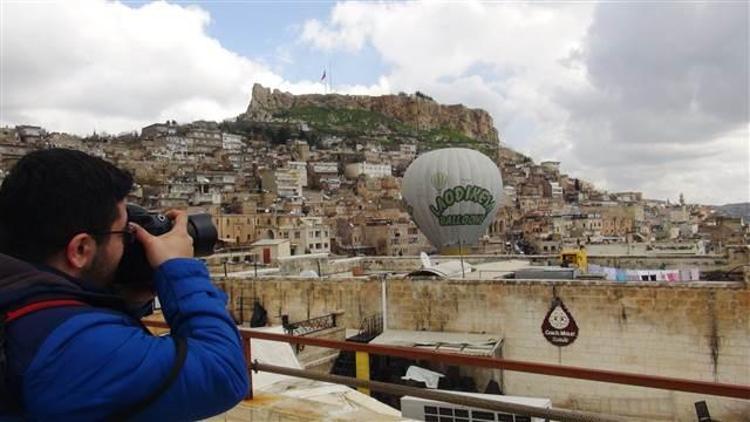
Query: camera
134, 269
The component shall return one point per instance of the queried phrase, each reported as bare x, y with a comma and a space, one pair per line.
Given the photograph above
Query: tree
281, 135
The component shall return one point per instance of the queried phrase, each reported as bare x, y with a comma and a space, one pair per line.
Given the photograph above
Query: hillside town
425, 211
308, 191
316, 240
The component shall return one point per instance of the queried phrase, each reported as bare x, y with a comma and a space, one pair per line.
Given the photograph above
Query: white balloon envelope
452, 195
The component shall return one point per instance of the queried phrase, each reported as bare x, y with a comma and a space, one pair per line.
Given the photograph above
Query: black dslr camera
134, 270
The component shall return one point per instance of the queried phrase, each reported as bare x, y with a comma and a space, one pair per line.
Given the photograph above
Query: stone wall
694, 330
303, 299
701, 331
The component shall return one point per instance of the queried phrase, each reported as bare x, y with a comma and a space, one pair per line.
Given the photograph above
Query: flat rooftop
439, 341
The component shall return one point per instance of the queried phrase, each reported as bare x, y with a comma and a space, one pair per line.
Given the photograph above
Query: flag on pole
324, 75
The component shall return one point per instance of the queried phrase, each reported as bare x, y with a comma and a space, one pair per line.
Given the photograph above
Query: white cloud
506, 58
649, 97
666, 105
79, 66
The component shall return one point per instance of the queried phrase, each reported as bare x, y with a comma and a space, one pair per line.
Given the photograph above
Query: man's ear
79, 253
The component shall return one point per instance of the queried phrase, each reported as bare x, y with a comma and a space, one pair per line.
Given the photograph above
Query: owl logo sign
559, 327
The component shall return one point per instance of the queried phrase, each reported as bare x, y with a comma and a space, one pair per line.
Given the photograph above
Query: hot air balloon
452, 195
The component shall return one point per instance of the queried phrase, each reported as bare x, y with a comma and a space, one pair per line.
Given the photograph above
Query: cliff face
413, 110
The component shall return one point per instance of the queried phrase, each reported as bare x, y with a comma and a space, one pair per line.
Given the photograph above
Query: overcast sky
642, 96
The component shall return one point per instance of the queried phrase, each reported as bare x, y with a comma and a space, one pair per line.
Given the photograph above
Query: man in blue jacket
74, 349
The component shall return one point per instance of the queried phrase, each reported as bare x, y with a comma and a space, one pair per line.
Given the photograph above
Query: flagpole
330, 78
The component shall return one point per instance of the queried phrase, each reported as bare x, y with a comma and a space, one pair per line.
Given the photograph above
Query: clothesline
622, 274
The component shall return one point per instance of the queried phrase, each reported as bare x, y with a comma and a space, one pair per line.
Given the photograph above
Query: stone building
353, 170
236, 229
284, 182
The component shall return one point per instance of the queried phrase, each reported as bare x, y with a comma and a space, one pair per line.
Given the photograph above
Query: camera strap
38, 306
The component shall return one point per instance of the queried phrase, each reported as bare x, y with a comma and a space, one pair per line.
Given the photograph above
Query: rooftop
270, 242
440, 341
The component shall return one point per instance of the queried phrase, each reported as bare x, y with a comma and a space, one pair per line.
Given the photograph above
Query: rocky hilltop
417, 114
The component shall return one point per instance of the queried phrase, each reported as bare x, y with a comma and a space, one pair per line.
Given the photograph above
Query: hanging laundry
620, 275
610, 273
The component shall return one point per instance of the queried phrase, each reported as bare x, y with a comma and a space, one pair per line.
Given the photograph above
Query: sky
632, 96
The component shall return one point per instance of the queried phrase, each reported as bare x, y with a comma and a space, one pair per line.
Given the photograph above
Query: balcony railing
362, 381
309, 326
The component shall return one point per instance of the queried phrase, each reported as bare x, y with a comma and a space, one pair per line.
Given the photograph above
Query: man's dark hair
51, 195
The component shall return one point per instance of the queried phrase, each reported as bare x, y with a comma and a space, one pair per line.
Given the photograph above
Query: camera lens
134, 267
201, 228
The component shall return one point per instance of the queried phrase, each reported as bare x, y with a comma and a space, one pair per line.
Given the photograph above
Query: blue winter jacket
90, 362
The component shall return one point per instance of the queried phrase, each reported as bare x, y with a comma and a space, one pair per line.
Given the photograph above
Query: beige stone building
268, 251
619, 219
353, 170
236, 229
284, 182
306, 235
394, 237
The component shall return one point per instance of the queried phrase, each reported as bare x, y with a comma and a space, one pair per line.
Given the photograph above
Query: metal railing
309, 326
371, 325
441, 395
653, 381
414, 353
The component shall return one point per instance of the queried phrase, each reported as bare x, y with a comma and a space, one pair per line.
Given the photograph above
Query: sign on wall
559, 327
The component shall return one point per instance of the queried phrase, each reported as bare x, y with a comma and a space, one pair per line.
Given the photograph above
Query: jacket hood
22, 283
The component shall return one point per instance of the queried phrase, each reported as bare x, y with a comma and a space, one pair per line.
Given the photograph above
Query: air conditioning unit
438, 411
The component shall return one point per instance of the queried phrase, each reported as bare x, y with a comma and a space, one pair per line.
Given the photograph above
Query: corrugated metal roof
461, 343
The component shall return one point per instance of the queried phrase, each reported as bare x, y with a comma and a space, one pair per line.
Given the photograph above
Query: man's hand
176, 243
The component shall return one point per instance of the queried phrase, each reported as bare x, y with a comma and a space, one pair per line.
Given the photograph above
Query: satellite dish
452, 195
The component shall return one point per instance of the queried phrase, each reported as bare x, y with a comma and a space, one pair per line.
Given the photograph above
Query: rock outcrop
418, 111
